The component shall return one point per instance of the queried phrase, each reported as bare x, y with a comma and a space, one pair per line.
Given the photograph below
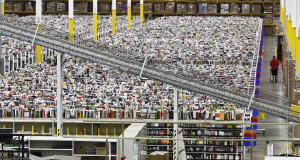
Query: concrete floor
271, 131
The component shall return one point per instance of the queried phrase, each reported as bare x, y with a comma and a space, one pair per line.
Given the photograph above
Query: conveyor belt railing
126, 65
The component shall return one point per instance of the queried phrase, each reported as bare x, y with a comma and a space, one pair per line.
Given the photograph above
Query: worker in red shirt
274, 63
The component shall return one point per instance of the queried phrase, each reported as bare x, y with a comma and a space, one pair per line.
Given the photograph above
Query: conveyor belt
93, 55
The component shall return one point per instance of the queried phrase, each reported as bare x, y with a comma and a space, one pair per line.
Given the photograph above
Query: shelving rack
87, 9
199, 149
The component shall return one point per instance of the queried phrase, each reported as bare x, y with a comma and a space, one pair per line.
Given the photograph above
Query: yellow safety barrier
38, 49
142, 13
295, 110
129, 17
114, 12
2, 9
71, 29
95, 26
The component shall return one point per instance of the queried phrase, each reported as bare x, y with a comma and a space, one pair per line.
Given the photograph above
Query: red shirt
274, 63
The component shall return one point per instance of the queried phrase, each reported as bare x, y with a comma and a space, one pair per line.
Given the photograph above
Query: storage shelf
153, 1
49, 149
153, 13
92, 155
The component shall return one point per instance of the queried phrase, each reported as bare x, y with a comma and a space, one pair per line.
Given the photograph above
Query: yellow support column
115, 132
55, 131
142, 11
71, 16
129, 13
2, 7
32, 127
84, 131
114, 12
23, 129
68, 131
99, 133
38, 49
107, 134
43, 129
4, 125
95, 15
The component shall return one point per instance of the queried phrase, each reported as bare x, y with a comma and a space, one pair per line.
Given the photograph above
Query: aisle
271, 132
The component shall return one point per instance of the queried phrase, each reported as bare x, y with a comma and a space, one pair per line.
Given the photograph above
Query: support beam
297, 38
175, 125
2, 7
59, 97
38, 20
142, 11
129, 13
95, 15
71, 16
114, 12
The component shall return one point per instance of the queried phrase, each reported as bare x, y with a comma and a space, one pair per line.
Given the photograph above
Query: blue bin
248, 143
257, 83
254, 112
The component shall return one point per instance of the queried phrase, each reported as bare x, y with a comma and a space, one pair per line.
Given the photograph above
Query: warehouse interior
150, 79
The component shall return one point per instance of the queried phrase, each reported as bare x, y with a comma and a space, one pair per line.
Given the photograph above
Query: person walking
274, 63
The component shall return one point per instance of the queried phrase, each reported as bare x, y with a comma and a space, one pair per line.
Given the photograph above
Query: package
202, 7
159, 155
191, 8
269, 31
136, 8
256, 8
8, 6
212, 8
159, 7
225, 8
245, 8
61, 7
276, 9
79, 151
51, 6
268, 20
18, 6
181, 7
119, 7
105, 7
234, 8
100, 150
296, 131
80, 6
124, 7
28, 7
268, 8
148, 7
170, 7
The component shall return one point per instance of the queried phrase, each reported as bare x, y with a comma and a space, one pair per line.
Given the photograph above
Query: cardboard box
276, 9
159, 155
181, 7
268, 8
148, 7
234, 8
136, 8
100, 150
80, 6
246, 8
51, 6
159, 7
202, 7
79, 151
28, 7
8, 6
170, 7
225, 8
268, 20
191, 8
212, 8
61, 7
18, 6
297, 131
256, 8
119, 7
104, 7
